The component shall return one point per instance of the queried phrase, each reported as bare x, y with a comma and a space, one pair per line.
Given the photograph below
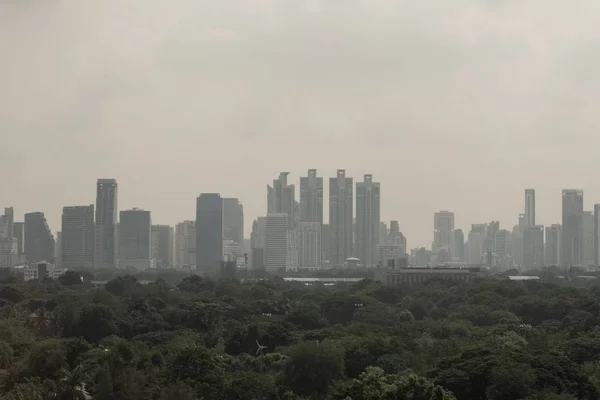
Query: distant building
257, 243
588, 238
276, 242
572, 228
412, 276
77, 237
533, 247
368, 218
311, 197
341, 204
135, 243
39, 241
476, 238
503, 259
443, 226
281, 198
19, 234
308, 238
597, 234
9, 252
185, 245
457, 245
209, 232
233, 221
106, 223
162, 246
530, 207
7, 223
552, 250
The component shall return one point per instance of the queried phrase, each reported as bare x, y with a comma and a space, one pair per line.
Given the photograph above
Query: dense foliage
490, 339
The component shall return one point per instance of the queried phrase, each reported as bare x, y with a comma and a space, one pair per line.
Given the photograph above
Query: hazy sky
452, 105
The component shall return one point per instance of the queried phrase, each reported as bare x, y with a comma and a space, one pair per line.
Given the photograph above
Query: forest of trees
199, 339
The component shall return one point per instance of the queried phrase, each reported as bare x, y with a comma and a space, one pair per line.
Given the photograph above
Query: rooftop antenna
260, 351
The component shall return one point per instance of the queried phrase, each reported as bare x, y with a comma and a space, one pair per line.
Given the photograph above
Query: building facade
368, 219
39, 240
106, 223
162, 246
185, 245
341, 203
233, 221
552, 252
135, 240
308, 240
77, 237
572, 228
209, 232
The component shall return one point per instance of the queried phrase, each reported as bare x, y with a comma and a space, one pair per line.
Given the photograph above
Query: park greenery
210, 338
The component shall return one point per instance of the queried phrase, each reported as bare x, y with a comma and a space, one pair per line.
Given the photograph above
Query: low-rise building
411, 276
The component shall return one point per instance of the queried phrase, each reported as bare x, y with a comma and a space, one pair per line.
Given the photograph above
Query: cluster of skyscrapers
573, 242
293, 235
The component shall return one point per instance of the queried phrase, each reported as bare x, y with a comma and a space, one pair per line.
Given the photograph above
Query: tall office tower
529, 207
281, 198
19, 233
209, 232
77, 237
277, 242
588, 238
597, 234
443, 225
308, 240
135, 240
475, 247
533, 247
572, 228
257, 242
162, 246
341, 203
39, 241
9, 253
106, 223
185, 244
457, 245
311, 197
502, 259
233, 221
368, 218
394, 228
552, 252
7, 223
58, 261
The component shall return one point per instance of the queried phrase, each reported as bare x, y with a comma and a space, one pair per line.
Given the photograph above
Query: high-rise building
19, 233
185, 244
588, 238
572, 228
597, 234
209, 232
341, 203
39, 241
277, 242
311, 197
394, 228
308, 239
77, 237
457, 245
135, 240
529, 207
58, 243
106, 223
257, 242
281, 198
443, 225
7, 223
552, 252
501, 249
9, 254
233, 221
475, 247
368, 218
533, 247
162, 246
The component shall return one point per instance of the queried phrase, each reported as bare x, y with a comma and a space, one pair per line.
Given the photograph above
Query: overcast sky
452, 105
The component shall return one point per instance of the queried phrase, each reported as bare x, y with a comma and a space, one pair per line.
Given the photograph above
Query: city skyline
54, 219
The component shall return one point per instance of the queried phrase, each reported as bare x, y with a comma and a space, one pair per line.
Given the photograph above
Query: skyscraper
588, 238
257, 242
533, 247
162, 246
457, 245
7, 223
233, 221
341, 203
368, 218
443, 225
552, 253
572, 227
106, 223
597, 234
39, 241
77, 237
135, 240
311, 197
277, 242
308, 237
281, 198
529, 207
209, 232
185, 244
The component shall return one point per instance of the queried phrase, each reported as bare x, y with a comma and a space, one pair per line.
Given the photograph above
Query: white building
277, 242
40, 270
308, 237
185, 244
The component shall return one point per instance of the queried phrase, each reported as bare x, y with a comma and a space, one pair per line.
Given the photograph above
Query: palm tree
71, 385
40, 321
